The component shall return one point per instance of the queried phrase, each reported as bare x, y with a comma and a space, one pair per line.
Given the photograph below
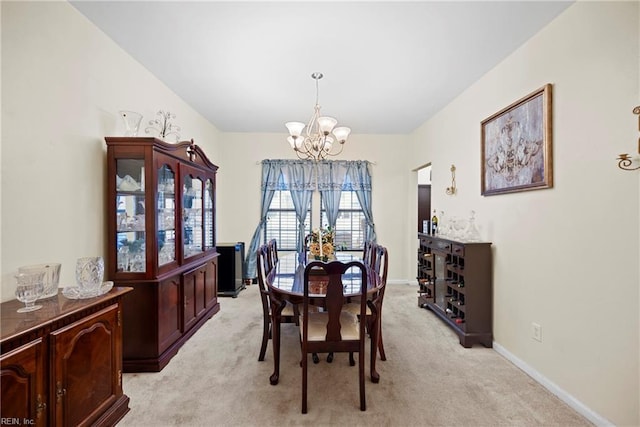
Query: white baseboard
578, 406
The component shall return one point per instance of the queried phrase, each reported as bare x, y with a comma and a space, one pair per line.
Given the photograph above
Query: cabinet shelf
137, 193
458, 286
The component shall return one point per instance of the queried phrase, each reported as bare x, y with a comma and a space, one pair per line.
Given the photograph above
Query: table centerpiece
321, 244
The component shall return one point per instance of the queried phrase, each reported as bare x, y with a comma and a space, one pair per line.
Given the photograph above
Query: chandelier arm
299, 156
341, 148
308, 146
313, 122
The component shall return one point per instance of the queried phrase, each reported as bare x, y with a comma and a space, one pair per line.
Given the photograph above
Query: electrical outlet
536, 332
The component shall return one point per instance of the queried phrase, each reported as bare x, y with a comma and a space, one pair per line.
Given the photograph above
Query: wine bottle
434, 223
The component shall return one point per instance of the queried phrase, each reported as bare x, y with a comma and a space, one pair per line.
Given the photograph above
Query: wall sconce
624, 160
452, 190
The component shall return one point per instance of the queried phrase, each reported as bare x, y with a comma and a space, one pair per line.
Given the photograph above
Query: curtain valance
300, 175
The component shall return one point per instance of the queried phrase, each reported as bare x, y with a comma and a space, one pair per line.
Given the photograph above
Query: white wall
63, 84
424, 175
240, 175
566, 258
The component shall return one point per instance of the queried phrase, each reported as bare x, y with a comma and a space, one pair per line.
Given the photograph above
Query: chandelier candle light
316, 140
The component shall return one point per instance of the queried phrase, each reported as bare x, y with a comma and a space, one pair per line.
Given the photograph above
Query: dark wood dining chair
333, 329
374, 305
368, 252
368, 257
273, 252
289, 312
307, 243
376, 258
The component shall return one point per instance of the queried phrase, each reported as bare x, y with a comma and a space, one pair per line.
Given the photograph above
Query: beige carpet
427, 380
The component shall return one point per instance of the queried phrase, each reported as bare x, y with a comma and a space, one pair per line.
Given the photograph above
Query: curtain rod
259, 162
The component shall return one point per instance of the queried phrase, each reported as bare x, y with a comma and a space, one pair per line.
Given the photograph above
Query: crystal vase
29, 288
131, 121
50, 279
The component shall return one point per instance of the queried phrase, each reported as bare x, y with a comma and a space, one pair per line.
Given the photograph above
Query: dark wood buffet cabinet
455, 279
162, 243
62, 364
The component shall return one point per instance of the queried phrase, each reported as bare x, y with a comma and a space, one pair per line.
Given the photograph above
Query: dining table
286, 285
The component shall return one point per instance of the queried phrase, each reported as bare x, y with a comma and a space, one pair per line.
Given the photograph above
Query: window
282, 223
351, 224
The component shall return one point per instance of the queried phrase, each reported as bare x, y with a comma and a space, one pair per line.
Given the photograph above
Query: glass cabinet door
209, 238
130, 211
166, 209
192, 231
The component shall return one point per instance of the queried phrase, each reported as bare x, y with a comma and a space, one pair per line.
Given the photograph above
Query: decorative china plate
74, 292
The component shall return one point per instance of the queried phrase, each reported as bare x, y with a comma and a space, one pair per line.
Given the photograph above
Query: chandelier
320, 137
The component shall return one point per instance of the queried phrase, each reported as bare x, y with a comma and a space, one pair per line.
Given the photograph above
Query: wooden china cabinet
162, 243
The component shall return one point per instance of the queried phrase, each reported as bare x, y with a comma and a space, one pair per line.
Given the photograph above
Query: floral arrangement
321, 244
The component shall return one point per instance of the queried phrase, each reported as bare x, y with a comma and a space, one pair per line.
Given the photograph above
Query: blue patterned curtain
331, 178
299, 177
360, 182
271, 171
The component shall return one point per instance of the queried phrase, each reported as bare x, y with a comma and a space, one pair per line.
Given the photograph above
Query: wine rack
455, 283
425, 272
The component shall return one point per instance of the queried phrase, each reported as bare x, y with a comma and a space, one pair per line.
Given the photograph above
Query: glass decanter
471, 233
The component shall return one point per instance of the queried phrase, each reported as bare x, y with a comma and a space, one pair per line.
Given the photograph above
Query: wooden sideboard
455, 279
62, 364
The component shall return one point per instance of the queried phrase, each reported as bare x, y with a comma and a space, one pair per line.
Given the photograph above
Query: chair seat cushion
288, 310
349, 329
354, 308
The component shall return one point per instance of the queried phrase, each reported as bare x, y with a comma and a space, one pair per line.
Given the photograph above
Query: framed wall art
516, 146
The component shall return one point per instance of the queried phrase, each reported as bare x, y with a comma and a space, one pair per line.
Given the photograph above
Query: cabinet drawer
442, 245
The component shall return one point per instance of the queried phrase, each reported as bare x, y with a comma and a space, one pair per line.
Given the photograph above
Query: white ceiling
388, 66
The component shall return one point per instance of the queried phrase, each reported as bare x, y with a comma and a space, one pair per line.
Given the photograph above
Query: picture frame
516, 146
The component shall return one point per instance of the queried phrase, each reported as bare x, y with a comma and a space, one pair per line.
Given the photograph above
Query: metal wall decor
624, 160
452, 190
163, 126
